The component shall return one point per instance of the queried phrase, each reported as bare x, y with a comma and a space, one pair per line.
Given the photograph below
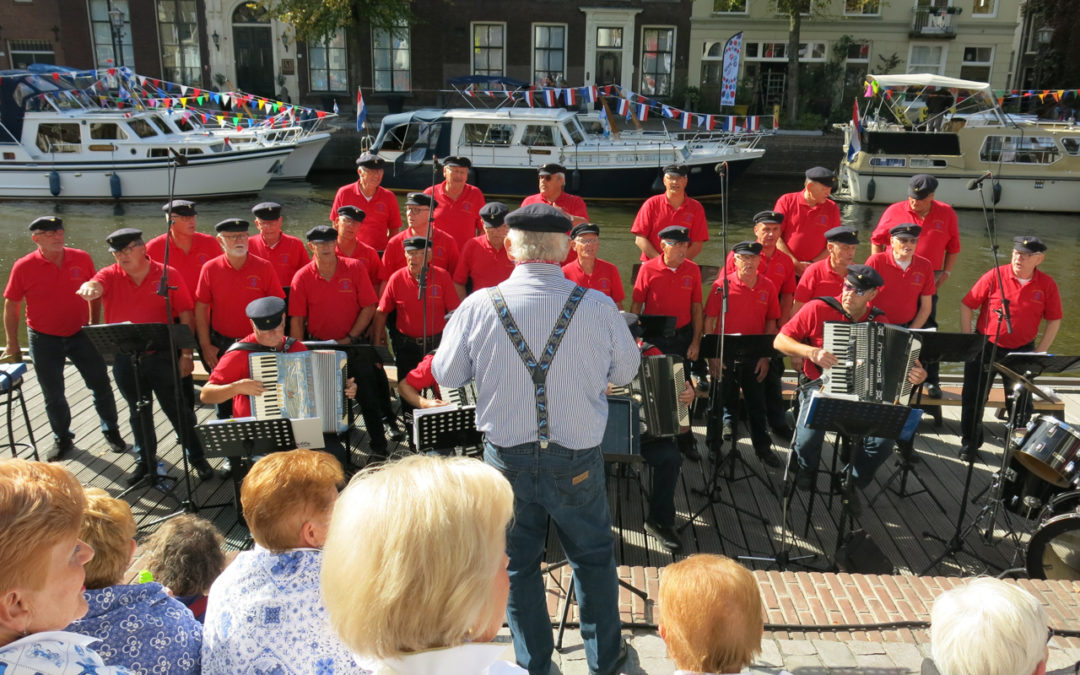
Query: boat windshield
574, 130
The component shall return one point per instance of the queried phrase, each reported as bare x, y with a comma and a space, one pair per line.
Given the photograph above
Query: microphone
975, 183
720, 168
181, 160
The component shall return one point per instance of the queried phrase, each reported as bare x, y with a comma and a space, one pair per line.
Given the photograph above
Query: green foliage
887, 64
316, 20
808, 121
1061, 68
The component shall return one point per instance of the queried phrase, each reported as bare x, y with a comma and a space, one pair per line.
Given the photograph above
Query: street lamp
1043, 37
116, 25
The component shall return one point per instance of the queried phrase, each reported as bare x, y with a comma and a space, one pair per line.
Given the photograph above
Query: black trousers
975, 372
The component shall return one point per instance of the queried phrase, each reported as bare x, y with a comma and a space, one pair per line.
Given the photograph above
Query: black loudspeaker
860, 555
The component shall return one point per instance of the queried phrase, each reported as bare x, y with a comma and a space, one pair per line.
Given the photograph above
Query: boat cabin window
539, 134
1019, 149
106, 131
59, 137
573, 129
401, 137
159, 152
161, 125
142, 128
487, 134
185, 123
1072, 146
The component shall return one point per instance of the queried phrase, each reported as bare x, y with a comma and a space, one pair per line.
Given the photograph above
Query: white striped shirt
596, 349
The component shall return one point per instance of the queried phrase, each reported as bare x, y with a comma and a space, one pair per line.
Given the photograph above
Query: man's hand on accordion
432, 402
917, 374
350, 388
247, 387
823, 357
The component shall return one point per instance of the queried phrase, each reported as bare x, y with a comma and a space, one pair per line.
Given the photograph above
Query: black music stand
656, 326
239, 440
450, 428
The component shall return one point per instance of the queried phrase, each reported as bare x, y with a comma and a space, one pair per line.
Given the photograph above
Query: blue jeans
48, 352
807, 447
156, 380
569, 486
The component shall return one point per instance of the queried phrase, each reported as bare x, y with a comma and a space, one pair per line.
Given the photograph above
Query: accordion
656, 387
301, 385
874, 361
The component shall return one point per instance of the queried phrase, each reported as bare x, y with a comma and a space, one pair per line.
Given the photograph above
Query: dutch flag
361, 110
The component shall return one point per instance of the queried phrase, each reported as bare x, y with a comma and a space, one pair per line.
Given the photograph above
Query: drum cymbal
1024, 382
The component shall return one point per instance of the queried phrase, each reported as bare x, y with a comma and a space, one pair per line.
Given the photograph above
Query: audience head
185, 555
428, 537
287, 498
41, 555
538, 232
988, 627
710, 614
109, 528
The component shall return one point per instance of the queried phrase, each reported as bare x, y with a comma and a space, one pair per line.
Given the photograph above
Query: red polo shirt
899, 297
940, 231
228, 291
236, 365
460, 218
52, 307
400, 294
778, 268
368, 258
749, 307
287, 256
421, 377
382, 217
605, 278
124, 301
203, 248
804, 226
444, 253
483, 263
331, 307
808, 326
1029, 304
819, 280
668, 292
656, 214
571, 204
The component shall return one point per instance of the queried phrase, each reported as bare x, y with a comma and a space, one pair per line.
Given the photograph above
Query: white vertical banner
732, 57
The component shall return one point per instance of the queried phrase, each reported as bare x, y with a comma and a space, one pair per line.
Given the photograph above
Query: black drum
1025, 493
1051, 451
1054, 550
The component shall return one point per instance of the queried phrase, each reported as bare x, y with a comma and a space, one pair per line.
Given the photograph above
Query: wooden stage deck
735, 528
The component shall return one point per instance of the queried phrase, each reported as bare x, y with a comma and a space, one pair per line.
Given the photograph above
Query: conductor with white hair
989, 627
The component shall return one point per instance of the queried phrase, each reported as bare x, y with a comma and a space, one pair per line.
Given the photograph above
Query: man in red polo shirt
284, 251
347, 227
590, 271
484, 261
1033, 298
807, 216
939, 242
673, 208
458, 204
128, 292
188, 250
825, 278
909, 278
552, 191
444, 250
379, 205
48, 280
753, 308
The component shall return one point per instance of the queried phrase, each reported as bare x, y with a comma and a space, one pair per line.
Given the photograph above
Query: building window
729, 6
390, 52
105, 50
984, 8
977, 63
809, 52
862, 7
178, 27
488, 48
327, 68
25, 52
712, 63
657, 60
858, 52
549, 54
926, 59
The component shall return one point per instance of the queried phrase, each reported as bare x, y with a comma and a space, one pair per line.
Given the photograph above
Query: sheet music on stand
445, 427
246, 436
862, 418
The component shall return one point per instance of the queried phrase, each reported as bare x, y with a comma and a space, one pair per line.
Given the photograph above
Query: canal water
308, 203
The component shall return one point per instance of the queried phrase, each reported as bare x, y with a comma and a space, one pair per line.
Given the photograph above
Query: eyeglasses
587, 242
857, 291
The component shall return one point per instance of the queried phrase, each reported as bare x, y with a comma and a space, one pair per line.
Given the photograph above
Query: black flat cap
457, 161
747, 248
768, 217
548, 169
180, 207
1028, 244
370, 161
122, 238
921, 186
47, 224
675, 233
584, 228
676, 170
266, 313
842, 235
539, 218
820, 174
905, 230
232, 225
267, 211
352, 212
416, 243
494, 213
321, 233
418, 199
863, 277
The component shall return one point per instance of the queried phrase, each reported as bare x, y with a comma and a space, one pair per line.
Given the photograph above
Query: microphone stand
425, 266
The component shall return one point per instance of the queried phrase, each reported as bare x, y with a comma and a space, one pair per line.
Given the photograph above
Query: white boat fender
871, 189
54, 183
114, 185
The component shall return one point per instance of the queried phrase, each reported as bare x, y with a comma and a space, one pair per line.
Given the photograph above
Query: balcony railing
934, 22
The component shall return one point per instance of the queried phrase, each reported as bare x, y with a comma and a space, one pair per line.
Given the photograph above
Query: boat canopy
467, 80
926, 80
416, 133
